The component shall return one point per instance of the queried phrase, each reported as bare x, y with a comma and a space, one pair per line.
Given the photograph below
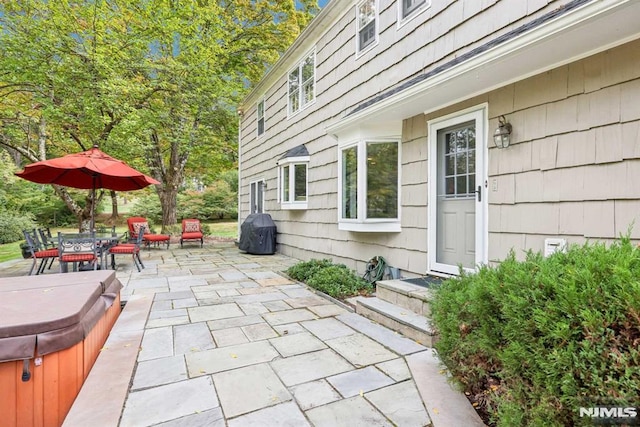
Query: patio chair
46, 242
38, 252
78, 248
45, 238
191, 230
135, 223
132, 249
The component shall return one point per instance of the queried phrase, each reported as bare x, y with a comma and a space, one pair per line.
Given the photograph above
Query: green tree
152, 82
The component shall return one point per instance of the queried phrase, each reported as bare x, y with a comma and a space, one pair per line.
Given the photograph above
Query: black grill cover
258, 235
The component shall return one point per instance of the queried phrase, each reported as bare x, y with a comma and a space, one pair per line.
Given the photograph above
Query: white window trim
299, 68
292, 161
361, 52
479, 115
264, 118
362, 223
402, 20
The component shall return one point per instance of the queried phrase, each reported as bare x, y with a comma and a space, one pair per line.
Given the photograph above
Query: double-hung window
408, 7
293, 182
367, 21
369, 186
260, 114
302, 84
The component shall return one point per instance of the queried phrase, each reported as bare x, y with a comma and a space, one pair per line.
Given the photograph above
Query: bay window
369, 186
292, 172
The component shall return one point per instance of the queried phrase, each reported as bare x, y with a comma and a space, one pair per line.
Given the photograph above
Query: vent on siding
552, 246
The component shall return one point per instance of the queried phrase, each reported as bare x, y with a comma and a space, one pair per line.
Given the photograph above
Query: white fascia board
378, 129
287, 160
592, 28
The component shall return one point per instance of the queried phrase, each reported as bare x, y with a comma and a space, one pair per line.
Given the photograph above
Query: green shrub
148, 206
12, 224
302, 271
538, 339
335, 280
217, 201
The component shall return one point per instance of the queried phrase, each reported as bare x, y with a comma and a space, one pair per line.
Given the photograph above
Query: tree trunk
42, 139
114, 207
169, 175
77, 210
169, 202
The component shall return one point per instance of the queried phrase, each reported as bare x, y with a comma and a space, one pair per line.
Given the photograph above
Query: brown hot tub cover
44, 314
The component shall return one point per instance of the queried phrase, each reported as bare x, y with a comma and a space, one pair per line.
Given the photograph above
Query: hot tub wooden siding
47, 397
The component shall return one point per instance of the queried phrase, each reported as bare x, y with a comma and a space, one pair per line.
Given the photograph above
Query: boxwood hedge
533, 341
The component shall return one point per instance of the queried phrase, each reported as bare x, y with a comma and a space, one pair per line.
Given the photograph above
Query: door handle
479, 193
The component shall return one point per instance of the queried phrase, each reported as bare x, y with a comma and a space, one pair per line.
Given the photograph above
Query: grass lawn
10, 251
226, 229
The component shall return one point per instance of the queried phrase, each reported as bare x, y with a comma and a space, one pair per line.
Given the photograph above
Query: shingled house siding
575, 169
556, 179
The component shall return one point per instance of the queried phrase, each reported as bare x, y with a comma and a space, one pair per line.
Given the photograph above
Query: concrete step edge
399, 314
407, 289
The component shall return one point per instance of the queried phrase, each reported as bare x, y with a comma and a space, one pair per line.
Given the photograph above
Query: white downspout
239, 171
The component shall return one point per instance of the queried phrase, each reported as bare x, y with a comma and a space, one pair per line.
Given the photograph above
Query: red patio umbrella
88, 170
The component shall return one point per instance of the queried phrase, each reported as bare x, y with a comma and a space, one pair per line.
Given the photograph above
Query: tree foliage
154, 83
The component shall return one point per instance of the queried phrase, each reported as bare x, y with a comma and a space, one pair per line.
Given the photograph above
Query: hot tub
52, 328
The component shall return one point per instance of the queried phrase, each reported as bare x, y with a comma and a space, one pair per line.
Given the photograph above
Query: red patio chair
191, 230
135, 223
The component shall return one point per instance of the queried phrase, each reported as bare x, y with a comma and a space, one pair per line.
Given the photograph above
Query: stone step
406, 295
400, 319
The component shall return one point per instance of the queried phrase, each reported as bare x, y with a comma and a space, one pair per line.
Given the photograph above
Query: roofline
318, 26
473, 76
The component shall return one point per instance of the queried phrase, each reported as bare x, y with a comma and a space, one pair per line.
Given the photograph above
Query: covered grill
258, 235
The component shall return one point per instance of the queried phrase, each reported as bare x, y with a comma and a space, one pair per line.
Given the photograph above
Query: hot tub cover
48, 313
258, 235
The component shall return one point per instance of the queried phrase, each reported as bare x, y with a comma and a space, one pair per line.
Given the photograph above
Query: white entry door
457, 199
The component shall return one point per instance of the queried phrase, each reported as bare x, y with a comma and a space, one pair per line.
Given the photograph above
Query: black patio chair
78, 249
38, 252
132, 249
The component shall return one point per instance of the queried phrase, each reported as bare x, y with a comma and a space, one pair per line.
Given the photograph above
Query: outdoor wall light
502, 135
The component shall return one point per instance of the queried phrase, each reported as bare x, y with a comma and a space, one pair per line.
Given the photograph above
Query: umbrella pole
93, 206
92, 223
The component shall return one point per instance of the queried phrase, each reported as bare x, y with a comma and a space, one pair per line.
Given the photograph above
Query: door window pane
256, 197
458, 167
